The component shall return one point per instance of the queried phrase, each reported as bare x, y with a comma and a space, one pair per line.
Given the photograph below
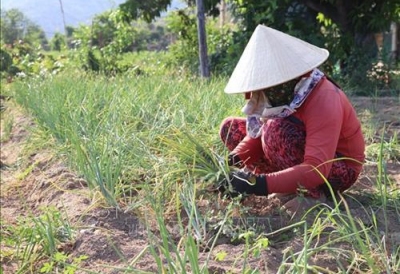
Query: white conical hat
271, 58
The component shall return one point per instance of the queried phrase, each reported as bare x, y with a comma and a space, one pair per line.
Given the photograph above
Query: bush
5, 61
22, 58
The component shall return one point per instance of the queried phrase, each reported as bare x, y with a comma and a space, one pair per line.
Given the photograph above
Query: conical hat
271, 58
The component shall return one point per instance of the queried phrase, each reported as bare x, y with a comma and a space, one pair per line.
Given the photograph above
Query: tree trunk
222, 13
65, 24
394, 52
201, 33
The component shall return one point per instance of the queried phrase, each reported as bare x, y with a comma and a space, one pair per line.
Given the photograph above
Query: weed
36, 238
7, 123
59, 264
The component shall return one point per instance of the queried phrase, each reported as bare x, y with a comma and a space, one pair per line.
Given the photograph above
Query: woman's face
282, 94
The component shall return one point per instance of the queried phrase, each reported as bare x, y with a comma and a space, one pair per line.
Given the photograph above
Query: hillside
47, 14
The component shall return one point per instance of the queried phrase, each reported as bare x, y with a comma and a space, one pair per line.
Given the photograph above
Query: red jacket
331, 126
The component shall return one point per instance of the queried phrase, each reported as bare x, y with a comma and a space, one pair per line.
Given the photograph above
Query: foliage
60, 264
57, 43
5, 60
100, 47
146, 10
345, 29
210, 6
288, 16
28, 61
359, 17
21, 47
224, 48
147, 63
150, 10
184, 51
36, 238
15, 26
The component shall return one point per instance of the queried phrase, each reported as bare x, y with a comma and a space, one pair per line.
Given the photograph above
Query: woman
301, 133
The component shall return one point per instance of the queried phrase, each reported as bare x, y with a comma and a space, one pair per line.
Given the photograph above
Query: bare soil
112, 239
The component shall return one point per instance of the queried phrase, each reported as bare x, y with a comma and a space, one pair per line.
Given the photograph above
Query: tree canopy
356, 16
356, 20
16, 26
346, 28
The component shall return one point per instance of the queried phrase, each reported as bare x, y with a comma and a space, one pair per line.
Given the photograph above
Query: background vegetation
353, 33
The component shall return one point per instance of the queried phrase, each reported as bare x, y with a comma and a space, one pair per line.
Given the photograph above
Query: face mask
282, 94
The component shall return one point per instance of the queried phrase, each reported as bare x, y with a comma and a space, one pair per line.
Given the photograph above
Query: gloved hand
241, 182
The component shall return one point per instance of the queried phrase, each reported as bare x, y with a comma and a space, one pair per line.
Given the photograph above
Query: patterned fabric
232, 132
253, 126
283, 146
265, 105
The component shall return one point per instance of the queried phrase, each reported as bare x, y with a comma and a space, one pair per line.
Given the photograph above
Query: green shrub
5, 61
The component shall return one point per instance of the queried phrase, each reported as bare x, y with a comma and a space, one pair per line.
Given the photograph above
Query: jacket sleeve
249, 150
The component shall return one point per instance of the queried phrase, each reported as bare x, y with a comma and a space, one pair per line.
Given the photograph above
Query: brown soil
113, 239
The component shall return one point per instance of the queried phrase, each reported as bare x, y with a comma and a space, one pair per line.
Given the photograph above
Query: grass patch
7, 123
34, 239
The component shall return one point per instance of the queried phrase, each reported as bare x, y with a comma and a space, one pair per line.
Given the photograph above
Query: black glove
234, 160
241, 182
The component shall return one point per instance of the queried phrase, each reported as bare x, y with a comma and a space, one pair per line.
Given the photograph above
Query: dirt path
31, 181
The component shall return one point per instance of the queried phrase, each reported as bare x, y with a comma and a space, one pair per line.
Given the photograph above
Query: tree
147, 10
57, 42
358, 20
13, 24
355, 26
360, 17
101, 45
201, 32
16, 26
346, 28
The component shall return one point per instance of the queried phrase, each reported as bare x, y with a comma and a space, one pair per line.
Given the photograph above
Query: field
110, 175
